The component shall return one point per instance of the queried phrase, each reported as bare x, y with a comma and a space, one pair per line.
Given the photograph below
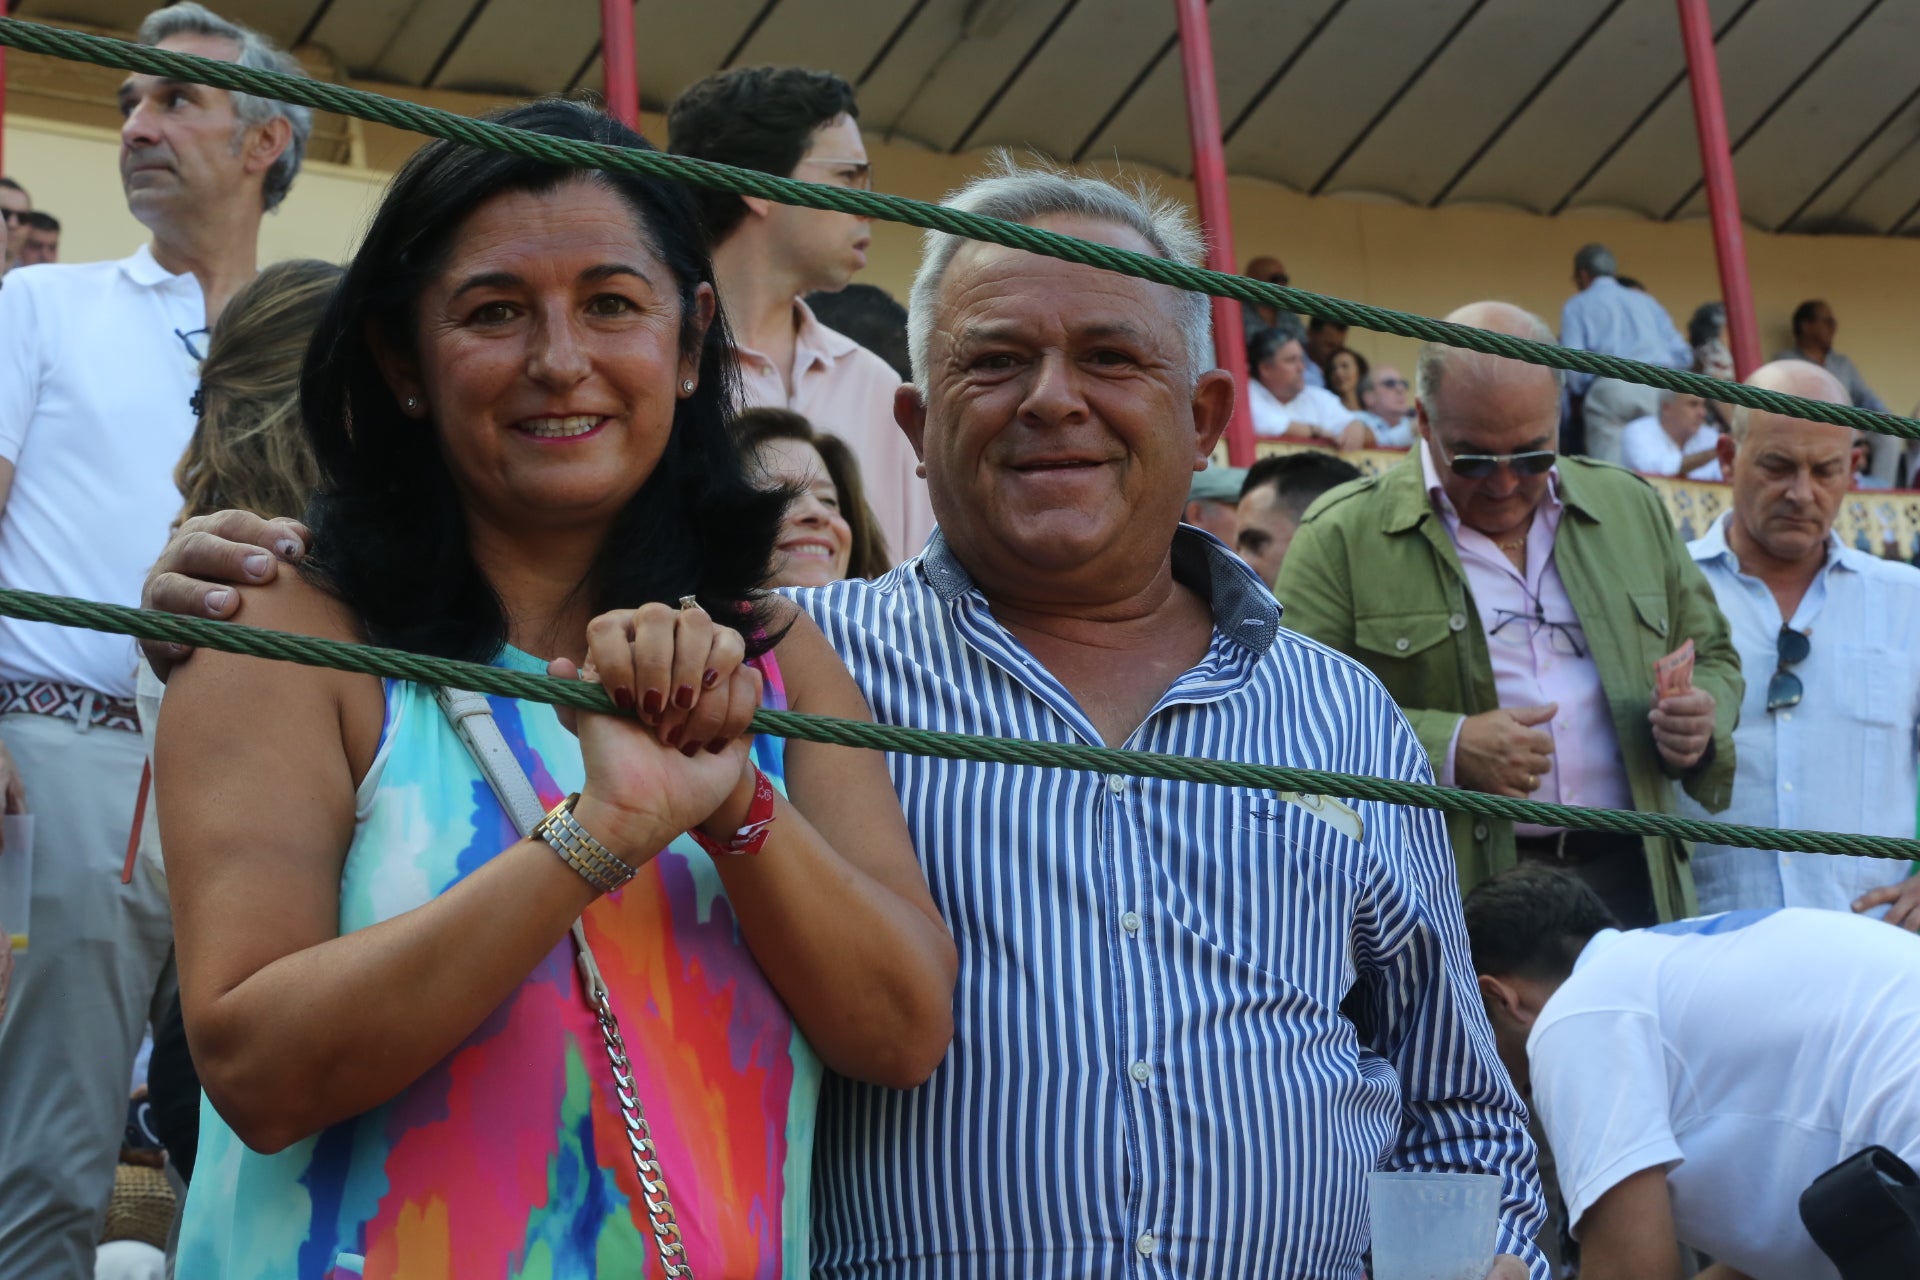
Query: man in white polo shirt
96, 376
1284, 406
1694, 1078
800, 124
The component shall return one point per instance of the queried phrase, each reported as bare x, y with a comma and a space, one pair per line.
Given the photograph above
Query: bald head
1794, 378
1789, 475
1440, 363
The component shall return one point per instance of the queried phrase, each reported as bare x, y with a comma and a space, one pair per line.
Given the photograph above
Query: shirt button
1786, 786
1141, 1072
1146, 1244
1786, 715
1401, 644
1130, 922
1458, 622
1117, 783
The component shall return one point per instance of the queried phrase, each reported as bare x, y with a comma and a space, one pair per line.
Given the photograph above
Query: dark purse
1864, 1213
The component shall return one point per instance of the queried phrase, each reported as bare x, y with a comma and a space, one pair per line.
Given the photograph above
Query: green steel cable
33, 37
367, 659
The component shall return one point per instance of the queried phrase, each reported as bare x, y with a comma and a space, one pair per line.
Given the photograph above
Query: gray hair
1595, 259
1432, 364
259, 54
1026, 194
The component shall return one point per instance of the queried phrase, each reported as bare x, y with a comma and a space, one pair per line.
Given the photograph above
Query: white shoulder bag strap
472, 719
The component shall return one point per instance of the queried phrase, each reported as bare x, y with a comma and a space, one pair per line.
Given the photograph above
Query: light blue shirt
1842, 760
1397, 436
1606, 318
1190, 1019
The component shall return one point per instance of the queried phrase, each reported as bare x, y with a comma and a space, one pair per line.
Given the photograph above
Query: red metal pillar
5, 8
1723, 201
617, 61
1216, 219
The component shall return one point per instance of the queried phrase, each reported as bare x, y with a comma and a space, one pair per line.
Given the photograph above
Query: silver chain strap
646, 1164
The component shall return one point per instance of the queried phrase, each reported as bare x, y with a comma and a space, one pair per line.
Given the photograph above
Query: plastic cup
1433, 1226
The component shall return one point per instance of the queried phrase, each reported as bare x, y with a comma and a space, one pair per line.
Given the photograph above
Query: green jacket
1372, 573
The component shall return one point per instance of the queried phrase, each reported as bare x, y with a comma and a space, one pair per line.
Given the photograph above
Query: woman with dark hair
518, 398
1345, 368
829, 532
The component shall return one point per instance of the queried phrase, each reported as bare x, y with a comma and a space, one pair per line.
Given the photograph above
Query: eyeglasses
1563, 637
1391, 384
857, 174
1478, 466
194, 340
14, 216
1785, 689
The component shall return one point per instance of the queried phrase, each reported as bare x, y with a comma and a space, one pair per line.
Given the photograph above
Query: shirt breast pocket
1653, 628
1866, 693
1405, 636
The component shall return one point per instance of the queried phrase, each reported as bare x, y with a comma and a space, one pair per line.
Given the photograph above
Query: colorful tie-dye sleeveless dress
509, 1158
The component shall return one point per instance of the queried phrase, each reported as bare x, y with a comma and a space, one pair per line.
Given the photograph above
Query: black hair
40, 221
12, 185
1317, 323
1803, 313
871, 317
1709, 318
390, 535
1298, 478
760, 118
1532, 921
1265, 345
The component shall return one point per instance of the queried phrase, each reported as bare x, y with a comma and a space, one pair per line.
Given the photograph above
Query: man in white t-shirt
96, 375
1694, 1078
800, 124
1676, 441
1386, 408
1284, 406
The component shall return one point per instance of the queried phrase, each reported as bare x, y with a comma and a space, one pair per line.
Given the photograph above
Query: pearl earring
686, 388
412, 404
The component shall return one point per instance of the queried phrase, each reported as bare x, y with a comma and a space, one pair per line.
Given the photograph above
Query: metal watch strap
590, 860
488, 746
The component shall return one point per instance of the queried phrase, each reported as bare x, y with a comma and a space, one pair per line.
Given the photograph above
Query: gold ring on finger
1533, 782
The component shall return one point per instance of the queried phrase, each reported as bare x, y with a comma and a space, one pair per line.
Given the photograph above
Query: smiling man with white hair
96, 375
1190, 1019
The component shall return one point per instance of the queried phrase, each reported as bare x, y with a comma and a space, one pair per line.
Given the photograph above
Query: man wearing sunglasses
1514, 603
1386, 407
1826, 635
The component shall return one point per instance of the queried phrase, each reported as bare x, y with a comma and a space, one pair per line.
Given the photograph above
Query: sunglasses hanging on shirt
1785, 689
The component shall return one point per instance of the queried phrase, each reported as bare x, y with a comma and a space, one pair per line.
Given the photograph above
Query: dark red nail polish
623, 698
717, 745
691, 750
683, 696
654, 702
710, 679
672, 736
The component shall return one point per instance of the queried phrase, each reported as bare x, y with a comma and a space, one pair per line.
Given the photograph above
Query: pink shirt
1535, 664
845, 390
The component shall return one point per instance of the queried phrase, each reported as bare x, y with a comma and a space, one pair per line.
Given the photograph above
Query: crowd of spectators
652, 436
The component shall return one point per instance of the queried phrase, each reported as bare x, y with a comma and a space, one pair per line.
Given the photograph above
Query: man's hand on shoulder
1682, 727
203, 562
1508, 1267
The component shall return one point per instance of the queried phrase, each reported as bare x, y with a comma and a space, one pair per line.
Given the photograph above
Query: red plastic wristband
752, 835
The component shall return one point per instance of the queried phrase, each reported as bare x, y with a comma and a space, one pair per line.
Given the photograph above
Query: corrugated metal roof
1539, 105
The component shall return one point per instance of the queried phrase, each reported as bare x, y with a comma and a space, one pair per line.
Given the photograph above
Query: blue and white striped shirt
1189, 1019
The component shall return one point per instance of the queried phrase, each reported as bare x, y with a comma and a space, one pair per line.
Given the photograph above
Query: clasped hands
1506, 752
